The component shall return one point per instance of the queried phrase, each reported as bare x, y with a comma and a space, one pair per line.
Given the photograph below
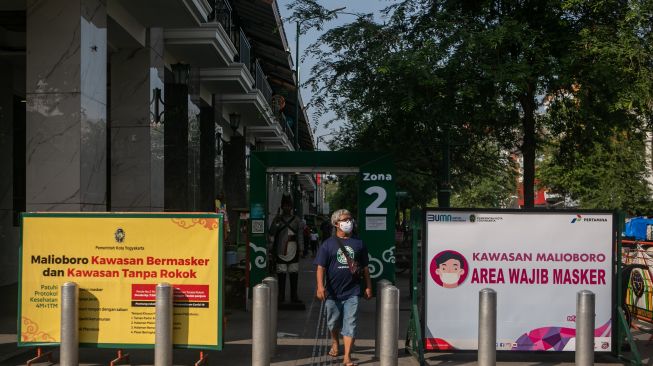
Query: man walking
341, 260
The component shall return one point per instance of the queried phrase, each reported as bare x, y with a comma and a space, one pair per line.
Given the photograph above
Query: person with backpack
286, 236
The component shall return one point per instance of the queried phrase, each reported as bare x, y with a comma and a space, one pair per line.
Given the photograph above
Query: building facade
149, 105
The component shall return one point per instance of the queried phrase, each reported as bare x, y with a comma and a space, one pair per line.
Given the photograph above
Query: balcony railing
283, 121
244, 49
262, 82
221, 13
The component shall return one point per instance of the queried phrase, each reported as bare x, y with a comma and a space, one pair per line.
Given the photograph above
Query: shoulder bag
354, 267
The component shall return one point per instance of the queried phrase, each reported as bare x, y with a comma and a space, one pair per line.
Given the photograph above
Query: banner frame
613, 266
162, 215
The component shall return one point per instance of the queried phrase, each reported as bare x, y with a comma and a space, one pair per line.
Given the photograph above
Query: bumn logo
438, 217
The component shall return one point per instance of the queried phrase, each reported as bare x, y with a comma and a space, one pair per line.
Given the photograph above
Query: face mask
450, 278
346, 226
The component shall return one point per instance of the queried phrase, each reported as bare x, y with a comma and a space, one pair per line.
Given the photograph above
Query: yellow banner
117, 260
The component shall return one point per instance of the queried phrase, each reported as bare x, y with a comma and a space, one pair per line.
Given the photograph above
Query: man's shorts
342, 315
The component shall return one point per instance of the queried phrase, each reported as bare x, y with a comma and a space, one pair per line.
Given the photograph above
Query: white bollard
261, 325
389, 327
377, 342
585, 328
163, 325
69, 353
487, 327
273, 284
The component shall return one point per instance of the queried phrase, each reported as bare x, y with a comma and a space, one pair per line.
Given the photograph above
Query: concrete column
218, 163
136, 138
235, 180
176, 147
193, 176
207, 159
66, 92
12, 148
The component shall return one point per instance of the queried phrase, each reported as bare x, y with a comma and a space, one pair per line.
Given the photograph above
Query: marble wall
9, 232
176, 148
235, 180
194, 196
207, 160
66, 105
136, 137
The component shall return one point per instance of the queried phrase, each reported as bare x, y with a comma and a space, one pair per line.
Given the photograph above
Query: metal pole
298, 88
69, 355
415, 216
487, 327
444, 190
163, 325
261, 326
273, 284
389, 330
379, 291
585, 328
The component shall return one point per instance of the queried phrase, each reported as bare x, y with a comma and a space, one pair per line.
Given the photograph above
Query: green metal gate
376, 202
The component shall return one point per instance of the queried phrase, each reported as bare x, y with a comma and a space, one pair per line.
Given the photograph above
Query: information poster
117, 260
535, 261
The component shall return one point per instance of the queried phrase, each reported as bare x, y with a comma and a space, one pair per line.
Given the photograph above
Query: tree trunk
528, 146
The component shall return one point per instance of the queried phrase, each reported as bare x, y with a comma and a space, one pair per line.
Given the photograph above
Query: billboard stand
414, 342
40, 355
117, 259
204, 358
527, 256
623, 327
120, 358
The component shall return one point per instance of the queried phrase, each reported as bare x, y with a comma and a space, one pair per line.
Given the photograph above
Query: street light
299, 23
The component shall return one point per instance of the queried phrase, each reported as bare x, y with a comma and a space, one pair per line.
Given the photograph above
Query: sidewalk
297, 343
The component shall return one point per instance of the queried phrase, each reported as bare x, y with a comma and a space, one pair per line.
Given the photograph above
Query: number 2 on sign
373, 208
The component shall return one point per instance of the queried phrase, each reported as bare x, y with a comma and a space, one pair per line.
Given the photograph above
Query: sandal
350, 363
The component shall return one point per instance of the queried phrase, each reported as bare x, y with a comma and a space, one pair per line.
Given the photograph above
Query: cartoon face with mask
450, 267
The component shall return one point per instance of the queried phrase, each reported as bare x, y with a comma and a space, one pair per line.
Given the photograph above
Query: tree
610, 176
467, 74
598, 124
396, 100
346, 196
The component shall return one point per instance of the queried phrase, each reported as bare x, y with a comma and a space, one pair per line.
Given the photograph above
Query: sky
308, 38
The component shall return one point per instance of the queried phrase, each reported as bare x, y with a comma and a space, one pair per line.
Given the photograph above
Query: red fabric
538, 200
437, 344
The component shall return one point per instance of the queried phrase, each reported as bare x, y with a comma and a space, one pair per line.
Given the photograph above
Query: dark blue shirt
340, 283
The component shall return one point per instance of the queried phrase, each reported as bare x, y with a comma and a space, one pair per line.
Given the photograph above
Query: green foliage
346, 196
495, 190
488, 78
608, 175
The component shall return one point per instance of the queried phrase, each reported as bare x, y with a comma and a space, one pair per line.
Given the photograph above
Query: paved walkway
300, 341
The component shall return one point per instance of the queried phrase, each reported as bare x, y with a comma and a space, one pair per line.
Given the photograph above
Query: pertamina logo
580, 218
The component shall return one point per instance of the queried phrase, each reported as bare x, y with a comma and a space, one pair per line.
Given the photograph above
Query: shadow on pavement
300, 340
